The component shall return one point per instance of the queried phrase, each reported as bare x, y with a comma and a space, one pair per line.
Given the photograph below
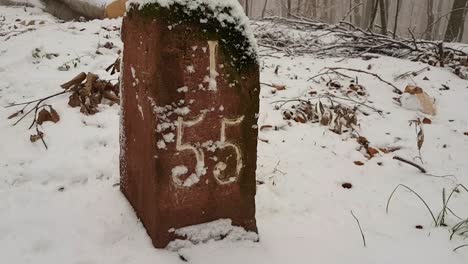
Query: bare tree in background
368, 11
383, 17
357, 13
264, 8
397, 14
247, 9
430, 19
436, 29
375, 6
457, 19
325, 7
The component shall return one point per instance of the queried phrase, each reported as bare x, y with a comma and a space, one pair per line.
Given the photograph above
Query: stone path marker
190, 101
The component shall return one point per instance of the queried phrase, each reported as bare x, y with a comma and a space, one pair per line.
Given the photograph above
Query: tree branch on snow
410, 163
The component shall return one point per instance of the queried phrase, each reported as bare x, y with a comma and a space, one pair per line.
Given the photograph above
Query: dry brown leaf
88, 110
363, 141
279, 87
54, 115
74, 100
43, 116
420, 138
90, 79
95, 99
389, 150
466, 133
111, 96
34, 138
300, 118
287, 115
77, 80
372, 152
359, 163
427, 121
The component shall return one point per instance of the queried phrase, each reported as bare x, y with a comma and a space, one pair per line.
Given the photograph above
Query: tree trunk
299, 6
289, 7
374, 14
314, 9
332, 11
462, 29
430, 20
264, 8
437, 31
383, 17
456, 20
357, 14
369, 8
397, 13
247, 8
324, 11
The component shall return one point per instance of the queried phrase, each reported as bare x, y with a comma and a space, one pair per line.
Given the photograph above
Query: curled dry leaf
265, 127
420, 138
34, 138
77, 80
90, 79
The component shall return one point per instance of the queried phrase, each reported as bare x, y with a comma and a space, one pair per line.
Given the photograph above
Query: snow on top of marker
236, 14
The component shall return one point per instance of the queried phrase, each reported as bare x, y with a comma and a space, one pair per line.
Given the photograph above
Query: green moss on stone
233, 42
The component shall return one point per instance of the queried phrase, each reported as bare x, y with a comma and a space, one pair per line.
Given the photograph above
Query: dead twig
410, 163
360, 228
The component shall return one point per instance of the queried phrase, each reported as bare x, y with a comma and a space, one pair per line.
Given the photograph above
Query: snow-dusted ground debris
62, 205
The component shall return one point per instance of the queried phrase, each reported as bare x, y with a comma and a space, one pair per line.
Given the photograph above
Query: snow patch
216, 230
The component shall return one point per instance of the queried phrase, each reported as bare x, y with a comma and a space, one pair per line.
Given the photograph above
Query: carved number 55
219, 171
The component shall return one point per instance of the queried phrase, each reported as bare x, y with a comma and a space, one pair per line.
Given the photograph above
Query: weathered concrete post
190, 98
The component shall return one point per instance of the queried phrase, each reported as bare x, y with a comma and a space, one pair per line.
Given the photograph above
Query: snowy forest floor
63, 205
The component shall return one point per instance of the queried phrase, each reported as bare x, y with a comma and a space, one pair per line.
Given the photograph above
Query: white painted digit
220, 167
213, 73
199, 155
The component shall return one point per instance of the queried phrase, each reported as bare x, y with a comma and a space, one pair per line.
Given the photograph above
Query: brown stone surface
173, 117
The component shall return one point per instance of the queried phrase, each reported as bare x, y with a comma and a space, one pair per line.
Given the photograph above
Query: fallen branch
410, 163
395, 89
345, 40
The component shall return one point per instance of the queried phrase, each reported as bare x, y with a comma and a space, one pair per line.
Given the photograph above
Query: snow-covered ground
63, 205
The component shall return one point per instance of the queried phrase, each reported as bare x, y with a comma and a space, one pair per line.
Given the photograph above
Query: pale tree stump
190, 101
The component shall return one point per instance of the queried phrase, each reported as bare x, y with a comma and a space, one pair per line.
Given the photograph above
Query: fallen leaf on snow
427, 121
279, 87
